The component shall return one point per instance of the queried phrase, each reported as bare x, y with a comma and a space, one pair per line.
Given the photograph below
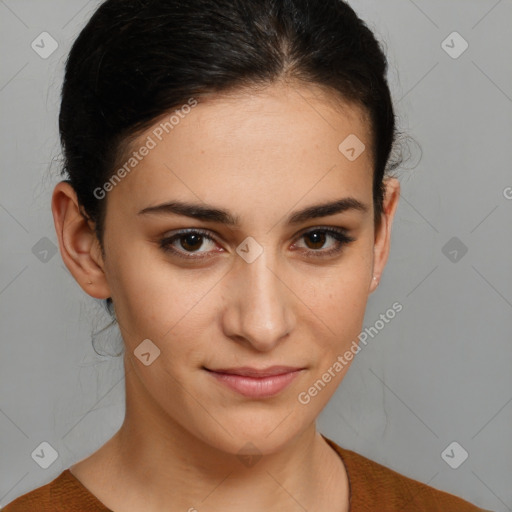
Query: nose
259, 310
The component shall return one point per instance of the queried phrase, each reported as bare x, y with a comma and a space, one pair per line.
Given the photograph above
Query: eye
316, 238
188, 241
185, 243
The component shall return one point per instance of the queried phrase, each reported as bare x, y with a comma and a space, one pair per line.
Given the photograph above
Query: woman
229, 195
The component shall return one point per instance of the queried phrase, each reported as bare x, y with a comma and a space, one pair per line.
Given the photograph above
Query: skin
261, 155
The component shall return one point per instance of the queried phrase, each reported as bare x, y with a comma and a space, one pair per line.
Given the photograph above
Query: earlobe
373, 284
78, 244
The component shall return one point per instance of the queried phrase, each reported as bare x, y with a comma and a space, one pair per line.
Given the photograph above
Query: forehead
278, 144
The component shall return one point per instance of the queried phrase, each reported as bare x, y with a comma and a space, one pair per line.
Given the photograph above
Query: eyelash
337, 233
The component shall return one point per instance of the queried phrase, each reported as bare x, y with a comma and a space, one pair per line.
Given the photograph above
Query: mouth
254, 382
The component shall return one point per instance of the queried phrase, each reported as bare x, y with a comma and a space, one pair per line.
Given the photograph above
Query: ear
79, 246
383, 233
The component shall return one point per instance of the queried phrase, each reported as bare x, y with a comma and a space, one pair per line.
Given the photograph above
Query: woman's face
269, 287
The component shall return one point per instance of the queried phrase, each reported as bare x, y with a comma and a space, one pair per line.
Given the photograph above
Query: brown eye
191, 241
317, 239
188, 242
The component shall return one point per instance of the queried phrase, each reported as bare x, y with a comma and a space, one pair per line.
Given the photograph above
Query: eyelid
340, 234
337, 232
165, 242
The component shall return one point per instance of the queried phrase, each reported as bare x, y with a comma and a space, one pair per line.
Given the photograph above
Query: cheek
158, 301
138, 287
338, 293
337, 309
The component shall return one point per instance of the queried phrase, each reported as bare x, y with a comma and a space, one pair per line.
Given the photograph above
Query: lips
246, 371
256, 383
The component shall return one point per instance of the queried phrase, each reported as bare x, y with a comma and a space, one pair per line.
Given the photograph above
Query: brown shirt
373, 487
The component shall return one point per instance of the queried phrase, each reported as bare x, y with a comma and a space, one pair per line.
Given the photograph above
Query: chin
254, 432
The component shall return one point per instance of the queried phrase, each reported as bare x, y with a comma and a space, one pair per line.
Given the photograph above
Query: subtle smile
256, 383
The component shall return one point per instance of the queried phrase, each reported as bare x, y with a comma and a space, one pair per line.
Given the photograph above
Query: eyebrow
221, 216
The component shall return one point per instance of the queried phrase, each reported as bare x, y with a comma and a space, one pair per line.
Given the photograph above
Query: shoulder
376, 487
63, 494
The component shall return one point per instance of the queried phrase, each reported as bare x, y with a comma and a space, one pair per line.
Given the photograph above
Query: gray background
439, 372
